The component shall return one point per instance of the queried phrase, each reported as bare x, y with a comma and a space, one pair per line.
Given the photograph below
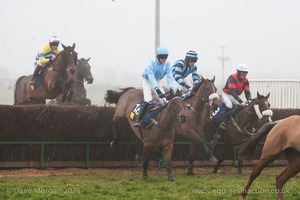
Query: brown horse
55, 77
77, 94
197, 116
160, 134
241, 127
282, 136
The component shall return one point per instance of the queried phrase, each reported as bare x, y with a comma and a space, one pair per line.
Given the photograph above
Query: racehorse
160, 134
196, 118
77, 94
237, 132
56, 76
282, 136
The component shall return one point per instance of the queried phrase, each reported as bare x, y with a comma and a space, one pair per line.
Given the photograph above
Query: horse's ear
88, 59
258, 95
73, 46
268, 95
213, 80
202, 79
63, 46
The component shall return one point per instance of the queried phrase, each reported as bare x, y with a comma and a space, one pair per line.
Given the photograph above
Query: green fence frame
88, 143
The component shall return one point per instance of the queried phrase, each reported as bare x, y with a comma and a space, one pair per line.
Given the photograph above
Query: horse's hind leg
168, 150
293, 168
262, 163
114, 141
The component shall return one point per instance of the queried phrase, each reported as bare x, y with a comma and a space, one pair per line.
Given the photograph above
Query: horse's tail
248, 148
114, 96
16, 87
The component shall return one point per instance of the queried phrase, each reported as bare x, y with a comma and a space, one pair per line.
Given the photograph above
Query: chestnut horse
56, 76
160, 134
237, 131
197, 116
282, 136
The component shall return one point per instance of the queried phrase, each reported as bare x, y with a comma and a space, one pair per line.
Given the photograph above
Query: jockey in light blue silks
155, 71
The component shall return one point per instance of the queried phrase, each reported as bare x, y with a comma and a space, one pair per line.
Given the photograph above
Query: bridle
258, 113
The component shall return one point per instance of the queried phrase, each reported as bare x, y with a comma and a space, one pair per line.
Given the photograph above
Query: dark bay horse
282, 136
158, 135
237, 132
197, 116
55, 77
77, 94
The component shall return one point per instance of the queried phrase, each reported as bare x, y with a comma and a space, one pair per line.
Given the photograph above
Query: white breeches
147, 91
229, 100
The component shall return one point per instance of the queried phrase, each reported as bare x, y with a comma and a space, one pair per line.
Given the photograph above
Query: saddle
148, 118
224, 114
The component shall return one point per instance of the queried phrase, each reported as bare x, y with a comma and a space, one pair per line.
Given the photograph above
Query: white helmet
54, 38
242, 68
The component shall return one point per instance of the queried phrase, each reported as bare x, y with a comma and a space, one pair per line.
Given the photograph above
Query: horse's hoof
213, 159
137, 157
171, 179
190, 173
145, 177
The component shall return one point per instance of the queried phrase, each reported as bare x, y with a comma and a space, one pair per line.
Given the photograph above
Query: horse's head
177, 108
83, 69
206, 89
69, 57
261, 107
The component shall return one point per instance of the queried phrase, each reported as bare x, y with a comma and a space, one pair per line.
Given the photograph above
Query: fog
119, 37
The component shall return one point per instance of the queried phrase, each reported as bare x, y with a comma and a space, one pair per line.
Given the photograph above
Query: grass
128, 184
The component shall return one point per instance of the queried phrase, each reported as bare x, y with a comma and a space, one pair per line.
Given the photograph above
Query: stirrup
136, 124
223, 125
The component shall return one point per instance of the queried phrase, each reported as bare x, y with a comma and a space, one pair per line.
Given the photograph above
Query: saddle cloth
224, 114
218, 114
152, 111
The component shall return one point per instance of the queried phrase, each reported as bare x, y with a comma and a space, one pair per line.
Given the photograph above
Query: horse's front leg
146, 158
60, 83
240, 167
168, 150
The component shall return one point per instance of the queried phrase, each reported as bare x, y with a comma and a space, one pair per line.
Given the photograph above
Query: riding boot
35, 73
138, 119
226, 118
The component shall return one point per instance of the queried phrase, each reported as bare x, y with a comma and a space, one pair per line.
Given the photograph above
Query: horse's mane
112, 96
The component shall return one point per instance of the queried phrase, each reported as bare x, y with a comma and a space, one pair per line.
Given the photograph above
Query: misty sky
119, 35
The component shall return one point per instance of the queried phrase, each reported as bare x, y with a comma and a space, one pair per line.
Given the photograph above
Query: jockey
235, 85
182, 68
152, 77
47, 53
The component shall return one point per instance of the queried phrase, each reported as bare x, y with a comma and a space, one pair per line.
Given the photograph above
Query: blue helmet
162, 51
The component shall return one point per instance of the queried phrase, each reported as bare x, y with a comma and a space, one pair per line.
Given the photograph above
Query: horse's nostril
182, 119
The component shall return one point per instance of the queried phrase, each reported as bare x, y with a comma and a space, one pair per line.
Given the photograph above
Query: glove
159, 93
171, 95
244, 103
53, 58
